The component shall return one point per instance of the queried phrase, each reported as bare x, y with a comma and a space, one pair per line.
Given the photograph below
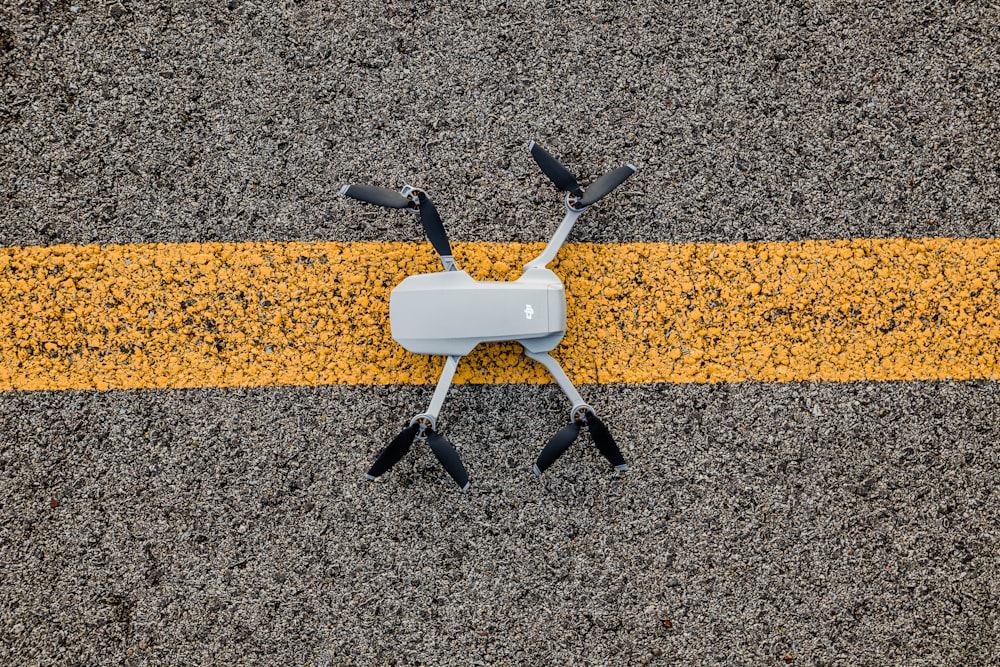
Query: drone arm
422, 429
553, 367
562, 232
441, 391
581, 414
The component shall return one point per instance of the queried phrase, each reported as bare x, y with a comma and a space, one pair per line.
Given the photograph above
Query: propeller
556, 445
373, 194
393, 452
605, 443
418, 202
400, 445
605, 185
433, 227
565, 437
446, 454
565, 181
557, 173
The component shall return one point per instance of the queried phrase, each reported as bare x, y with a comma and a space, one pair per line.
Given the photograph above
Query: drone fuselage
449, 312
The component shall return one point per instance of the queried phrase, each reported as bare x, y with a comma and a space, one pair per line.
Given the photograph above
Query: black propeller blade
376, 195
429, 216
400, 445
393, 452
564, 180
556, 445
561, 441
433, 227
605, 443
446, 454
551, 167
605, 185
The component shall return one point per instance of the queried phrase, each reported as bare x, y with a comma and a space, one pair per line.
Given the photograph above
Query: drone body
530, 310
449, 313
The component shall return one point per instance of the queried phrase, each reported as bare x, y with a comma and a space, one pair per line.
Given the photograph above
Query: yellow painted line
254, 314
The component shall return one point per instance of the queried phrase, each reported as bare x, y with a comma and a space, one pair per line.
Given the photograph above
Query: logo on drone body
528, 311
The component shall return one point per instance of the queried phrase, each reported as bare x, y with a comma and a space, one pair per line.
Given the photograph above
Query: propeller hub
580, 412
425, 422
413, 195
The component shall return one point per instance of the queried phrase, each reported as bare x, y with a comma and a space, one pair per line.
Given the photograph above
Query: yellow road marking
254, 314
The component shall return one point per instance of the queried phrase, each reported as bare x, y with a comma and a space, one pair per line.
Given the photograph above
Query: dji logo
528, 311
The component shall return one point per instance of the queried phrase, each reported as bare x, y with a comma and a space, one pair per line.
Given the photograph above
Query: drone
449, 313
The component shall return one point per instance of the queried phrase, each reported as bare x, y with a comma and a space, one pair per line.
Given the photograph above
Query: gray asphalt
814, 524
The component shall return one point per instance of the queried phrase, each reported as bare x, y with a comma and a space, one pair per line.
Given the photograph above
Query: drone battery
450, 313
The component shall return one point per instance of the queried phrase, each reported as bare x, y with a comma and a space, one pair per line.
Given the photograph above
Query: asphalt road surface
760, 523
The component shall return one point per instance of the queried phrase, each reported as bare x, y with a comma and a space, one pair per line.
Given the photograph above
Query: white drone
449, 313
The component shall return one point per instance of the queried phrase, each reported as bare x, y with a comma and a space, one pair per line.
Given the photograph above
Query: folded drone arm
415, 201
422, 428
441, 390
552, 249
553, 367
577, 199
580, 415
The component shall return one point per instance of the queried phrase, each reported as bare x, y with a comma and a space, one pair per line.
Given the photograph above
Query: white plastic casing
450, 313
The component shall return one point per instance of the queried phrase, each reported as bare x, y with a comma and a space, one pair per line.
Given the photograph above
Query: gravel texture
238, 121
760, 523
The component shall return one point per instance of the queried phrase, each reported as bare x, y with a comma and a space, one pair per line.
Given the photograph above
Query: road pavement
760, 523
